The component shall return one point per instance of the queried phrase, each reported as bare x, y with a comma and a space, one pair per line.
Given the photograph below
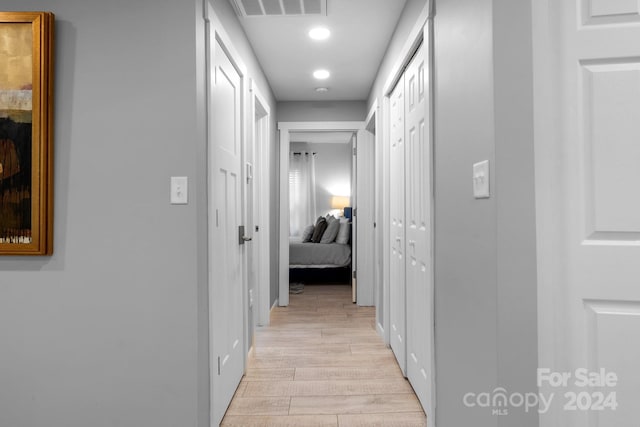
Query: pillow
331, 232
343, 233
318, 231
307, 233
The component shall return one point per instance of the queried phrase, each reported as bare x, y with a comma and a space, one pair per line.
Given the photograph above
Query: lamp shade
339, 202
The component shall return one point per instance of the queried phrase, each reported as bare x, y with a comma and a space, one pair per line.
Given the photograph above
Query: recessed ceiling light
319, 33
322, 89
321, 74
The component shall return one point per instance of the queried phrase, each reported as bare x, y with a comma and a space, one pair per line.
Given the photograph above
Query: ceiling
360, 33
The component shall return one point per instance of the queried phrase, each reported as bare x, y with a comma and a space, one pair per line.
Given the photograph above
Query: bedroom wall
333, 171
320, 111
111, 329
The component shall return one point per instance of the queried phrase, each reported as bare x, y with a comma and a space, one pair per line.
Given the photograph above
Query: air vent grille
262, 8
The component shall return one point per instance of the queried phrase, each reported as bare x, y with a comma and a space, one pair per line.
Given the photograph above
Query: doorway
286, 128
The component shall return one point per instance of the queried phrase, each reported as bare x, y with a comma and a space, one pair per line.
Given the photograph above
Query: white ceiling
360, 33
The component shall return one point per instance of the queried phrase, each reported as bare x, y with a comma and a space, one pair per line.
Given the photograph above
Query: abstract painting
26, 204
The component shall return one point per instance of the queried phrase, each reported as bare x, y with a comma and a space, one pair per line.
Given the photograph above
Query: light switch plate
481, 180
179, 190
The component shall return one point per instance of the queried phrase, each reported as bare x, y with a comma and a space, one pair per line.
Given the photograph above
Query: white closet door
419, 278
397, 302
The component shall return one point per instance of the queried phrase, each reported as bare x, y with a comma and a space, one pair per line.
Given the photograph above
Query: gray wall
111, 329
410, 13
465, 249
515, 203
319, 111
333, 166
485, 249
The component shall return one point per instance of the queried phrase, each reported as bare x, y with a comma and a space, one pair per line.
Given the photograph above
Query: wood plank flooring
321, 363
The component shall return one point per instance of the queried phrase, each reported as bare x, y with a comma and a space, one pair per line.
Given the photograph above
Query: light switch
481, 180
179, 190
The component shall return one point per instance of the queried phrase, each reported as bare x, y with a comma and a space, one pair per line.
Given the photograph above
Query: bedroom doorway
289, 136
320, 190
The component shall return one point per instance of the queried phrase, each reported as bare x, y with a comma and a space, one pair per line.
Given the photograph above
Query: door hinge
355, 151
355, 212
355, 274
218, 365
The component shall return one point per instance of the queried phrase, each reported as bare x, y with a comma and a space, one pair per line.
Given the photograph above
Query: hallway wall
485, 292
485, 264
319, 111
112, 329
103, 332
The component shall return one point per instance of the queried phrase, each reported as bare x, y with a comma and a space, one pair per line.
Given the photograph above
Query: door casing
285, 128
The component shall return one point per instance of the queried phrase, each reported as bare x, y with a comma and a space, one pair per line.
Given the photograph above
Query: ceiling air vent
256, 8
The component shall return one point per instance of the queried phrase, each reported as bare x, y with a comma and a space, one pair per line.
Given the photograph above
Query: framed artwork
26, 131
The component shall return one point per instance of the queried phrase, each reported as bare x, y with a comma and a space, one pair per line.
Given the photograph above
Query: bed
322, 253
318, 255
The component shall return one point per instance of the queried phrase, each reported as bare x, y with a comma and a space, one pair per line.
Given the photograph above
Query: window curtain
302, 191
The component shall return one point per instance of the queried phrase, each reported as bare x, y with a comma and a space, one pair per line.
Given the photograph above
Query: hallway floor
321, 363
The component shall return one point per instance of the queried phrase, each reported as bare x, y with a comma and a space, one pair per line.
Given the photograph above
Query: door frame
380, 291
260, 130
285, 129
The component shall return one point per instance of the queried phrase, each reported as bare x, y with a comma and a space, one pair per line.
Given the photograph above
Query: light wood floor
321, 363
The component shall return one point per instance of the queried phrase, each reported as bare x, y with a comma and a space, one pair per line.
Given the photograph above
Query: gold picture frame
26, 133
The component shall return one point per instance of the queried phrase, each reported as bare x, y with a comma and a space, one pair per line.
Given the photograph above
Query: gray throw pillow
331, 232
321, 225
307, 233
343, 233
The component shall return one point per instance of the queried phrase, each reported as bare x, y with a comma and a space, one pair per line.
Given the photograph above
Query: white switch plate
481, 180
179, 190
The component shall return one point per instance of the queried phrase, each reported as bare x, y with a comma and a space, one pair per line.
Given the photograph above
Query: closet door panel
397, 297
419, 282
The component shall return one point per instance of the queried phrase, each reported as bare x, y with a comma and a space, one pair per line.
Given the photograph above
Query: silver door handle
247, 239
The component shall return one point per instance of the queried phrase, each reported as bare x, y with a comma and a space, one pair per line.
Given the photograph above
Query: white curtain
302, 192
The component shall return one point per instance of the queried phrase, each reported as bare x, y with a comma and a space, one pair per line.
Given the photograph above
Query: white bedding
318, 255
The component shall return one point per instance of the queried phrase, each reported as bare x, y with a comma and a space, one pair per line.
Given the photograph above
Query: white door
397, 301
365, 216
419, 275
225, 252
588, 208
